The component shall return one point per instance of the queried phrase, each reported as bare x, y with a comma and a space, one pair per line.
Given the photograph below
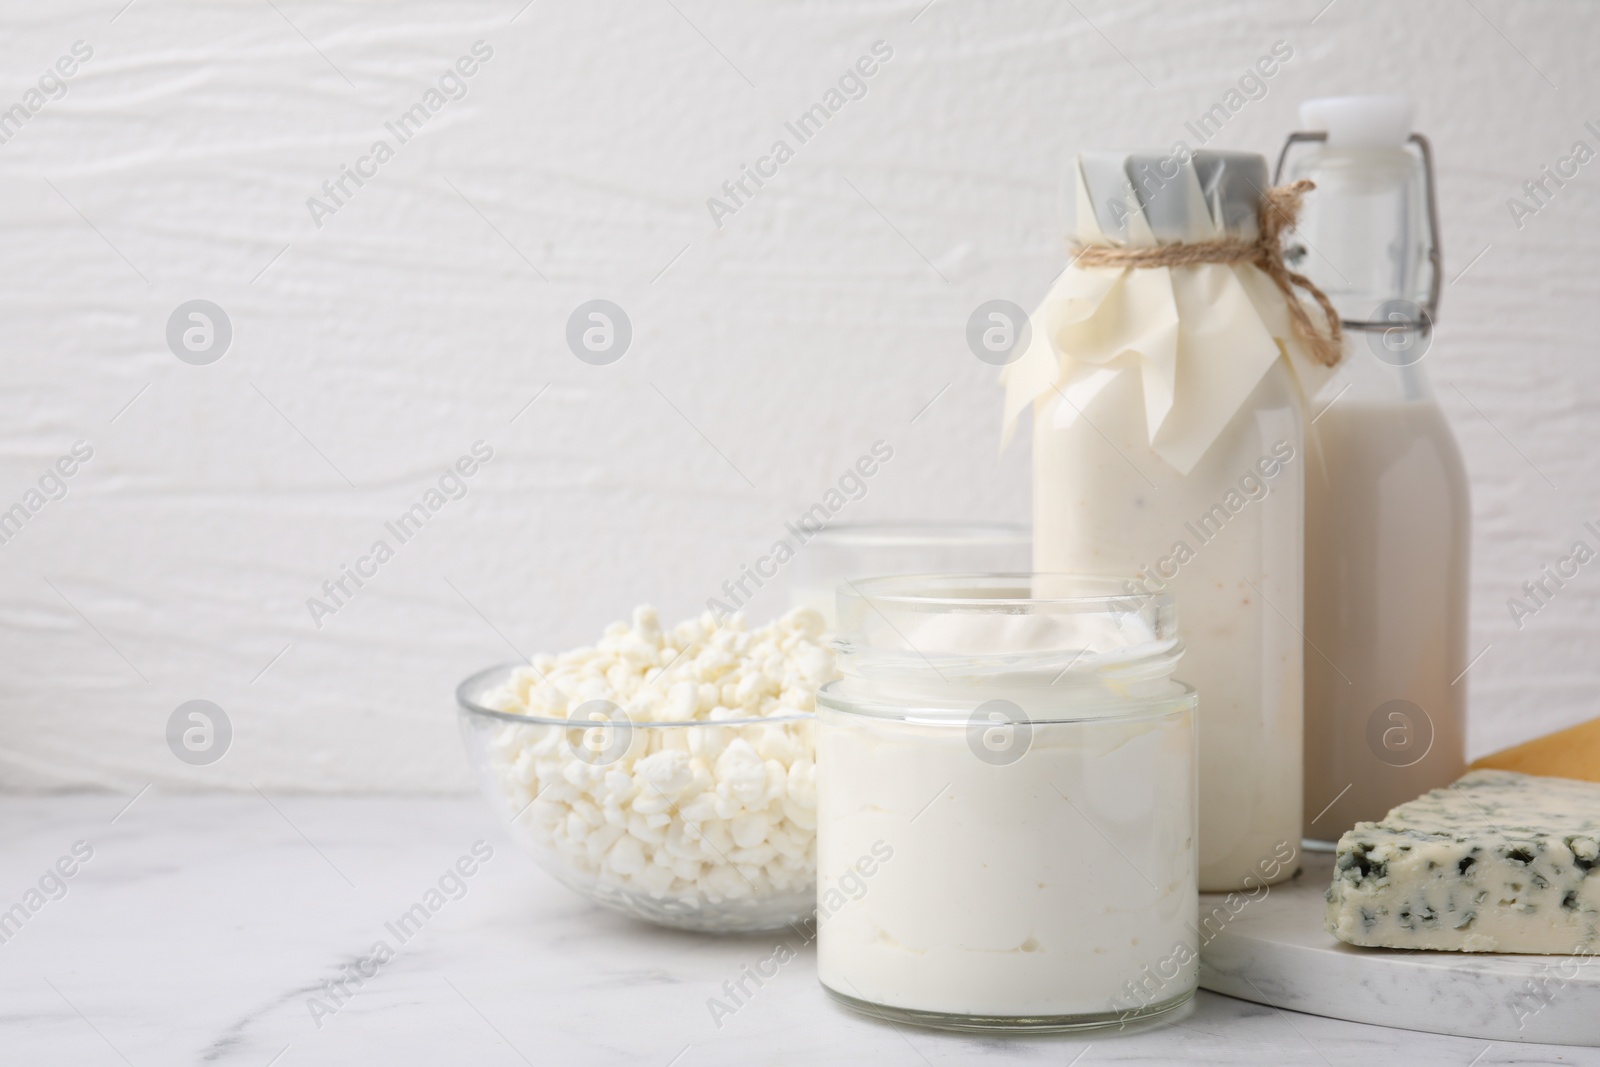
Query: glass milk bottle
1168, 444
1388, 517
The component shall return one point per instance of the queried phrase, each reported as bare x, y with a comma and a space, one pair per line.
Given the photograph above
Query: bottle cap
1360, 121
1182, 196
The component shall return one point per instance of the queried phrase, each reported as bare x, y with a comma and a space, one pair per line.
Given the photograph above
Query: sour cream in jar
1010, 756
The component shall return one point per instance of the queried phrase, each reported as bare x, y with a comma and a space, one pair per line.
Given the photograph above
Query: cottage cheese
679, 811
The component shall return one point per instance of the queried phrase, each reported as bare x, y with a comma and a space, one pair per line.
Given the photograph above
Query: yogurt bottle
1168, 444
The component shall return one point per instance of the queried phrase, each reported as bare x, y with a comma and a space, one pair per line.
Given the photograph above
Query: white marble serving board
1275, 950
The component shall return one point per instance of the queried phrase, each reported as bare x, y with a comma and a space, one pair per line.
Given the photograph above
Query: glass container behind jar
879, 549
1006, 805
1388, 514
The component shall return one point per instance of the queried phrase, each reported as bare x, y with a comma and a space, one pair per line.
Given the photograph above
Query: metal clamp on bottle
1350, 126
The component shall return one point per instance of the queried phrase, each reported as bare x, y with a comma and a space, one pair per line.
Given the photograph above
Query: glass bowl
700, 825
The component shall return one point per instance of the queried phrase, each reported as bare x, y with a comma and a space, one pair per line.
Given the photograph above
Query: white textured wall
823, 316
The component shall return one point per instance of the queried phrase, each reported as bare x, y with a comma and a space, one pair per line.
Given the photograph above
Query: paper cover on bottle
1200, 337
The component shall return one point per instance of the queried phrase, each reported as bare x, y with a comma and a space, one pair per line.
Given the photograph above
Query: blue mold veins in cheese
1495, 862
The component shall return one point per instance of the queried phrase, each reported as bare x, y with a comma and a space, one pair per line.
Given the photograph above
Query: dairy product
1031, 766
1388, 517
1497, 862
1046, 887
668, 811
1387, 541
1167, 372
1226, 540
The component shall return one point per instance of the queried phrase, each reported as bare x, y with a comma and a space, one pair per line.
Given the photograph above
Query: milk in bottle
1387, 512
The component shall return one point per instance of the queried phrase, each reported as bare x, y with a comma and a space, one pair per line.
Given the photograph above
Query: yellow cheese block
1570, 753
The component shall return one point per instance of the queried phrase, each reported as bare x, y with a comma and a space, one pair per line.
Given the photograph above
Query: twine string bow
1280, 206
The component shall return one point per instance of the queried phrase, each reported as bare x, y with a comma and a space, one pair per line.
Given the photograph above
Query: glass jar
878, 549
1006, 805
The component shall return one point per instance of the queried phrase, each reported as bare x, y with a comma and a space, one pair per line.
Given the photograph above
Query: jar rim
993, 630
1089, 592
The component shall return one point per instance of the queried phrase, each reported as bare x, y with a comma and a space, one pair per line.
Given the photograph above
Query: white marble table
203, 924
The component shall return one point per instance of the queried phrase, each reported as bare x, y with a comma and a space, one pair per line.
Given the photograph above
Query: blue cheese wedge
1496, 862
